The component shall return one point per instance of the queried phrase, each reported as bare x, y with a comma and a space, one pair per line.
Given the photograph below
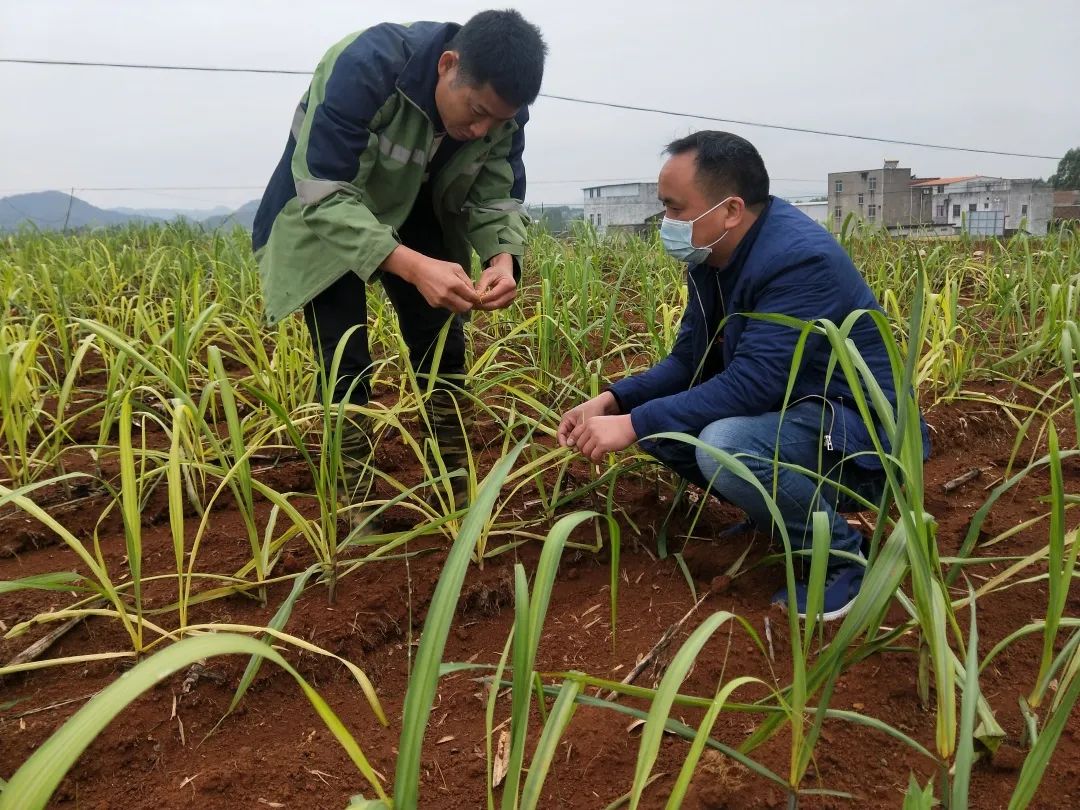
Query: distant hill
50, 211
244, 216
54, 210
191, 214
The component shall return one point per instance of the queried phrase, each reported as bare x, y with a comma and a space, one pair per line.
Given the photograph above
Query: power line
140, 188
263, 186
804, 130
138, 66
568, 181
653, 180
572, 99
29, 216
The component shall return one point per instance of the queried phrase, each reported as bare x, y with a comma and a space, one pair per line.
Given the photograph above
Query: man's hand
496, 287
605, 434
573, 422
443, 284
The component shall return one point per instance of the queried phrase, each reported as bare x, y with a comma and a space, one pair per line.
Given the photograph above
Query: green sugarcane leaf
34, 782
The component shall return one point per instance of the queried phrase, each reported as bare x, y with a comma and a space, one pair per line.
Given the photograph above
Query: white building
988, 206
624, 206
817, 211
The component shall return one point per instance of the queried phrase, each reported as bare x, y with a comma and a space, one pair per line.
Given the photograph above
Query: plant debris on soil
273, 751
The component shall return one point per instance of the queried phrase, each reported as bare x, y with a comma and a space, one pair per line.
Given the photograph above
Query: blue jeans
801, 432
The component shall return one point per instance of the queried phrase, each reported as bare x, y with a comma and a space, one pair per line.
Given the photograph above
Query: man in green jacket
404, 157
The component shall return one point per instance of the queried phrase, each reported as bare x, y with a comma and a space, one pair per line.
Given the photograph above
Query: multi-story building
623, 206
879, 196
893, 198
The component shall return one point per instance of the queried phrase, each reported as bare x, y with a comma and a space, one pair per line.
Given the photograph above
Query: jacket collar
418, 78
746, 244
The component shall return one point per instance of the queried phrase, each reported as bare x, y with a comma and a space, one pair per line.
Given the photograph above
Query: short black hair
726, 165
503, 49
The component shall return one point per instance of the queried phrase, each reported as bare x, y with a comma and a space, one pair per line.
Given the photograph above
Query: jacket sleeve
494, 207
755, 380
349, 87
672, 374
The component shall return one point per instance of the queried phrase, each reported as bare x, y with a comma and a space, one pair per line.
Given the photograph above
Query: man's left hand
605, 434
496, 286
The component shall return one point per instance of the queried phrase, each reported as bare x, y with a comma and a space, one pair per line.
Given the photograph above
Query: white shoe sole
829, 616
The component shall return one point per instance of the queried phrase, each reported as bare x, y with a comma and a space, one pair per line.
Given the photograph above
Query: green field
135, 372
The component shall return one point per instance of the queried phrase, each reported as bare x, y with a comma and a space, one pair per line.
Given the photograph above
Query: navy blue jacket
785, 264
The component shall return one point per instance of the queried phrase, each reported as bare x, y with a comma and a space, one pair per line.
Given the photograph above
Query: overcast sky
985, 73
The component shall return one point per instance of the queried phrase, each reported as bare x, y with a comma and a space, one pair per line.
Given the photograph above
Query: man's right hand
444, 285
573, 421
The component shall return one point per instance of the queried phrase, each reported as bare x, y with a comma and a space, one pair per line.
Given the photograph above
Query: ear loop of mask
705, 320
714, 242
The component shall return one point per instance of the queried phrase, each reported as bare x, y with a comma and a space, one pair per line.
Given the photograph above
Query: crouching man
726, 376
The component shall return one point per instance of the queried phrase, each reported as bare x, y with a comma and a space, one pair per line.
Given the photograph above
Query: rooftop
943, 181
620, 184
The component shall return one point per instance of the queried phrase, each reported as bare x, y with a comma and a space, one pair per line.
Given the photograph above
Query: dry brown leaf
502, 759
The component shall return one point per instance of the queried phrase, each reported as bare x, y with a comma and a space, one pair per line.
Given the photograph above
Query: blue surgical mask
678, 238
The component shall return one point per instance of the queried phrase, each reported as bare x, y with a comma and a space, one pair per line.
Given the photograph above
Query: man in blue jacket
726, 376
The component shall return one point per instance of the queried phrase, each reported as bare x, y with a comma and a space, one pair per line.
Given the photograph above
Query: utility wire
804, 130
139, 66
139, 188
553, 96
262, 187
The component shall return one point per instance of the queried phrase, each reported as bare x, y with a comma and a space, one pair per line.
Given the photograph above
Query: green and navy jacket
357, 157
